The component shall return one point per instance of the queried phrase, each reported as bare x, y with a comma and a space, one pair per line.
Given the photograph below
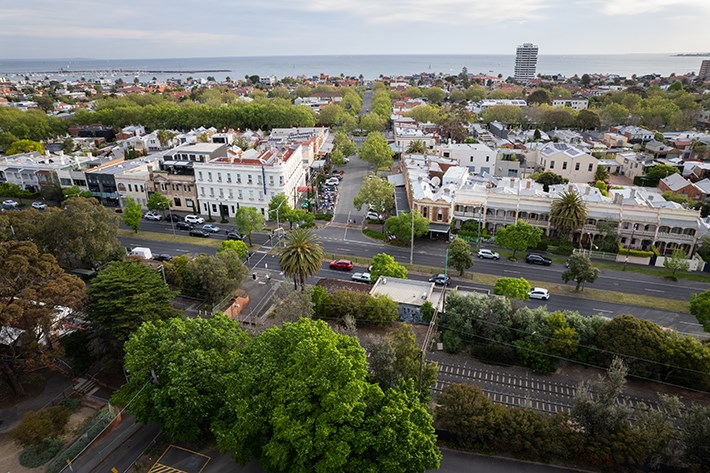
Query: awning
440, 227
306, 188
396, 148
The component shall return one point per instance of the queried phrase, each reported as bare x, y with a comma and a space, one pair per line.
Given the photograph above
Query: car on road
194, 219
211, 228
171, 217
440, 279
155, 216
234, 236
333, 181
183, 226
162, 257
341, 264
361, 277
373, 216
488, 254
533, 258
539, 293
39, 205
10, 204
198, 232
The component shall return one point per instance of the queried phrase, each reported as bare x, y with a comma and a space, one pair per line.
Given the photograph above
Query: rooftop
404, 291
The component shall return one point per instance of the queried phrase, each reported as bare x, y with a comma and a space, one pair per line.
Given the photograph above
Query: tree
677, 197
401, 225
425, 114
601, 174
24, 146
238, 246
588, 120
475, 93
638, 341
417, 147
547, 179
434, 94
123, 296
385, 265
658, 172
700, 308
568, 212
330, 115
519, 236
165, 137
695, 434
380, 309
213, 278
296, 383
158, 202
344, 144
376, 151
460, 255
188, 384
677, 261
84, 231
294, 305
75, 191
38, 297
248, 220
279, 208
614, 114
375, 192
373, 123
132, 214
68, 145
301, 256
517, 288
539, 97
508, 114
585, 80
580, 270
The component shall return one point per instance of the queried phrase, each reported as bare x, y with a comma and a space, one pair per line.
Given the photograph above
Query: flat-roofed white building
477, 157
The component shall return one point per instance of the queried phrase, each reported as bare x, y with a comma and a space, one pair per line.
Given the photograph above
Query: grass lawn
169, 238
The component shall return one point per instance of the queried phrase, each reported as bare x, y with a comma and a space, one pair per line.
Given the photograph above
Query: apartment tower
525, 62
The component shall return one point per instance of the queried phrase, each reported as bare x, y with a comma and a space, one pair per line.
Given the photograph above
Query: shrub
37, 426
72, 404
564, 248
374, 234
638, 253
76, 347
327, 217
101, 420
40, 453
492, 353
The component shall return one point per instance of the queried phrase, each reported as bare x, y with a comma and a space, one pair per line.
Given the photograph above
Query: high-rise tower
525, 62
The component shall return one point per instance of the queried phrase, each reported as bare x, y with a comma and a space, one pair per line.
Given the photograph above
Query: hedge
327, 217
40, 453
374, 234
101, 420
638, 253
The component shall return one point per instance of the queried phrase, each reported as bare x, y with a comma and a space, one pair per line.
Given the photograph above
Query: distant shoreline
692, 55
129, 71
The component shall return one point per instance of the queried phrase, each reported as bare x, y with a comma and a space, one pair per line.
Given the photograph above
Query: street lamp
633, 230
411, 245
591, 243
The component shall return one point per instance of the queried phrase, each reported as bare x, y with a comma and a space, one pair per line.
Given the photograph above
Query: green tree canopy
588, 120
123, 296
373, 123
509, 114
330, 115
24, 146
376, 192
568, 212
700, 308
401, 225
376, 151
434, 94
519, 236
385, 265
425, 114
460, 255
580, 270
344, 144
658, 172
188, 361
539, 97
239, 246
248, 220
132, 214
678, 261
158, 202
280, 202
516, 288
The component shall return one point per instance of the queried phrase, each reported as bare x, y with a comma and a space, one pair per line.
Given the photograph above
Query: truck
141, 252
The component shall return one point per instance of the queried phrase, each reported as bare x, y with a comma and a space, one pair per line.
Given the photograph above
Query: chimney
570, 188
528, 184
633, 193
618, 198
587, 190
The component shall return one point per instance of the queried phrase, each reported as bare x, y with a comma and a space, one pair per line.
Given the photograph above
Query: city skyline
42, 30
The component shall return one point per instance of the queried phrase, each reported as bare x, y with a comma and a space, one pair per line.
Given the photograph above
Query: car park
341, 264
153, 216
488, 254
440, 279
10, 204
361, 277
211, 228
198, 232
194, 219
538, 259
39, 205
183, 226
539, 293
162, 257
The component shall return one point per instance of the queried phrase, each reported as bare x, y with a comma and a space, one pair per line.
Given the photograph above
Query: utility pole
411, 243
628, 247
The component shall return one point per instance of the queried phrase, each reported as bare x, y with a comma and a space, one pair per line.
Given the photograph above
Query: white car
10, 204
39, 205
153, 216
333, 181
211, 228
539, 293
361, 277
373, 216
194, 219
488, 254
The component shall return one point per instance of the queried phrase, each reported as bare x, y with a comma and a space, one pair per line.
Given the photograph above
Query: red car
343, 264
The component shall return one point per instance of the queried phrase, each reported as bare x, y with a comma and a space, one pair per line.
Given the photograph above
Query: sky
133, 29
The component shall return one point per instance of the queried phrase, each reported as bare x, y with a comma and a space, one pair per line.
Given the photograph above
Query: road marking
691, 323
602, 310
653, 290
510, 271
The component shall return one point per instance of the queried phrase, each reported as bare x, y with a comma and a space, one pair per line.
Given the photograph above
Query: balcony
674, 237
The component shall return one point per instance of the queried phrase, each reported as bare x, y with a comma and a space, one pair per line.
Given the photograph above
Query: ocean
370, 66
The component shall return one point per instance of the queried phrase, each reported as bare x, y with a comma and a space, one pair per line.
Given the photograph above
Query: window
271, 180
214, 208
209, 176
447, 154
189, 203
130, 187
212, 191
239, 178
229, 177
424, 211
176, 200
590, 167
576, 166
65, 182
251, 195
552, 165
199, 175
249, 181
471, 159
281, 180
564, 165
219, 177
439, 214
488, 159
239, 194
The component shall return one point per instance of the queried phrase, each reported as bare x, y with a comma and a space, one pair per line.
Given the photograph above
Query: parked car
333, 181
183, 226
171, 217
538, 259
361, 277
373, 216
539, 293
10, 204
342, 264
155, 216
488, 254
194, 219
211, 228
440, 279
162, 257
198, 232
39, 205
234, 236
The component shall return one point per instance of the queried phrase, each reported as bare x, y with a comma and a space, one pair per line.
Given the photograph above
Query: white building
568, 161
481, 106
574, 104
477, 157
250, 179
525, 62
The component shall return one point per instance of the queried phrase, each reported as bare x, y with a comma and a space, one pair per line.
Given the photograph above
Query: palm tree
301, 256
568, 212
417, 147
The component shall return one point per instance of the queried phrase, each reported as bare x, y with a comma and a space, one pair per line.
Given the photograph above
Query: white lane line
691, 323
602, 310
653, 290
509, 271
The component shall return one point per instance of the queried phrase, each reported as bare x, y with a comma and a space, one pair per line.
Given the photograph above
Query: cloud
638, 7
